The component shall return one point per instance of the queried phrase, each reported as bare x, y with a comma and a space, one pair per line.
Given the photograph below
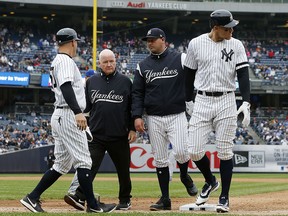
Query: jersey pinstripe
71, 146
214, 74
64, 69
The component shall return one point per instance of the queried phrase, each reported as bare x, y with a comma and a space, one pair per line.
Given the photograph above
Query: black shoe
162, 204
223, 205
190, 186
102, 207
124, 205
32, 205
206, 191
75, 201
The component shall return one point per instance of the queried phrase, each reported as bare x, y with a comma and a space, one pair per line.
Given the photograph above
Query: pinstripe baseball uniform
158, 87
216, 65
212, 63
71, 147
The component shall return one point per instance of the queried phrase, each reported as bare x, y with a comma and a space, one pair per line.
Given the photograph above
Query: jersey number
52, 78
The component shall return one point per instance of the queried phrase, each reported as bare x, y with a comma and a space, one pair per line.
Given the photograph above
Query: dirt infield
268, 204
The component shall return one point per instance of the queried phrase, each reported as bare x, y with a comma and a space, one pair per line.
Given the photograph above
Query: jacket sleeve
88, 101
138, 94
130, 119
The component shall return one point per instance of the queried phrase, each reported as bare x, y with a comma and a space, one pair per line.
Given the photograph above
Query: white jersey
64, 69
216, 63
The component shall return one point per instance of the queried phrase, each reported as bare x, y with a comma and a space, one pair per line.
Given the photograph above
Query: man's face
107, 63
156, 45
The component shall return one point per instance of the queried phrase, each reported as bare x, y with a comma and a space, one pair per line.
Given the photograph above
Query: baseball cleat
190, 186
206, 191
32, 205
162, 204
124, 206
75, 201
102, 208
223, 205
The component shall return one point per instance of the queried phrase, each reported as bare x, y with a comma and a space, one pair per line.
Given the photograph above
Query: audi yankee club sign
148, 5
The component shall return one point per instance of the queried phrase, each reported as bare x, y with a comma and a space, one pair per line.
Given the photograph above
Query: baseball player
213, 61
108, 97
158, 87
68, 125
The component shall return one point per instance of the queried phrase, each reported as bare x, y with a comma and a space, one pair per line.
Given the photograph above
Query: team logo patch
227, 56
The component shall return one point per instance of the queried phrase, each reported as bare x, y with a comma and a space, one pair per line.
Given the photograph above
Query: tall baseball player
213, 60
68, 125
158, 87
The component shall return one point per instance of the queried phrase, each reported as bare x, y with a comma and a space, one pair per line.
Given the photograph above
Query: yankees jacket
108, 100
159, 85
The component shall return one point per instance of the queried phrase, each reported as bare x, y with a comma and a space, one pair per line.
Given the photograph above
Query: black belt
60, 107
213, 94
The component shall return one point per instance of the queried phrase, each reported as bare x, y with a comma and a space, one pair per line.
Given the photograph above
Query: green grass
16, 189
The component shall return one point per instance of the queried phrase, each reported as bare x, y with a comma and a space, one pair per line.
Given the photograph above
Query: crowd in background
23, 50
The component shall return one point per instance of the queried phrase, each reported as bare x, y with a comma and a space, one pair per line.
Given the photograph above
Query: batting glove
245, 108
189, 107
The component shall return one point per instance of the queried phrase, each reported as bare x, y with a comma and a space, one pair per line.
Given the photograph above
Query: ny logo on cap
149, 32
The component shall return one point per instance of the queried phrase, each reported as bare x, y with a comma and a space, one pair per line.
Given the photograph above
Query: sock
204, 166
85, 181
183, 169
49, 177
226, 170
163, 179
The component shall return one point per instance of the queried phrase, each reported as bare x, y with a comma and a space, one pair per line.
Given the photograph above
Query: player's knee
225, 155
196, 156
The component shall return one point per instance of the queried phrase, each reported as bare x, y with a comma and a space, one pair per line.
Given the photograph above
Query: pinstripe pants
212, 114
71, 146
164, 130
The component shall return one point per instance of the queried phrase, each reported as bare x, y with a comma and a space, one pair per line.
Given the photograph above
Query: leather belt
60, 107
213, 94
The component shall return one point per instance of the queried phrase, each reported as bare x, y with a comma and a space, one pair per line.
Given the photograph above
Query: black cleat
223, 205
190, 186
102, 208
124, 206
206, 191
32, 205
75, 201
162, 204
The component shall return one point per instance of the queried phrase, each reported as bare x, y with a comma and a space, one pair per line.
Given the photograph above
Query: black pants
119, 152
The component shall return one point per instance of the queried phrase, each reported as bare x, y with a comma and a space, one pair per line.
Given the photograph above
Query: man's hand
189, 107
81, 121
131, 136
139, 125
245, 108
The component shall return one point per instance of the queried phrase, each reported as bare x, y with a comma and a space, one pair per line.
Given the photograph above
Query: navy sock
49, 177
85, 181
226, 171
183, 169
204, 166
163, 179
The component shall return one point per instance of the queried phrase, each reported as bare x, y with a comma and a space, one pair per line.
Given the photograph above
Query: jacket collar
160, 55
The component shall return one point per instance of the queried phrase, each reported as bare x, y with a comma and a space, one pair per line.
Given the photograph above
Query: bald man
108, 99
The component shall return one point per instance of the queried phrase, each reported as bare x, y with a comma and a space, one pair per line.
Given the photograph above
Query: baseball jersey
109, 102
216, 63
159, 85
64, 69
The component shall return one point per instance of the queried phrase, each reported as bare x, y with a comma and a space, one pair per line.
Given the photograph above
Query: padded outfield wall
247, 158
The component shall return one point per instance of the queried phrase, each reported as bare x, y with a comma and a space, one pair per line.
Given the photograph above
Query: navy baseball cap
154, 33
90, 73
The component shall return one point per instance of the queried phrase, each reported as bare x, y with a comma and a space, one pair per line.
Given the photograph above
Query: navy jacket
159, 85
108, 100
